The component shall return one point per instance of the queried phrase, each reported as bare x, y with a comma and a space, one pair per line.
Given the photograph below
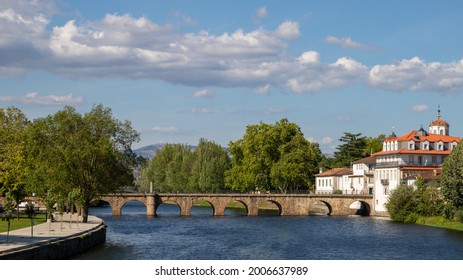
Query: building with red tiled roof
332, 180
417, 152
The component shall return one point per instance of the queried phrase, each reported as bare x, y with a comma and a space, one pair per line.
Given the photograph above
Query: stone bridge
287, 204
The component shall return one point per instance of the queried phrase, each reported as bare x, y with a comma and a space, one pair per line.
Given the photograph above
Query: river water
235, 236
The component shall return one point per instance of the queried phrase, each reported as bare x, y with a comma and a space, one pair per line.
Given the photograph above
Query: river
235, 236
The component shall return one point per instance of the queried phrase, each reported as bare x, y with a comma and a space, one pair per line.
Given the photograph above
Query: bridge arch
165, 204
237, 206
201, 203
140, 201
320, 207
360, 207
269, 205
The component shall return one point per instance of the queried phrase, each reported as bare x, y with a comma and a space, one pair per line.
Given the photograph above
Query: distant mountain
148, 151
151, 150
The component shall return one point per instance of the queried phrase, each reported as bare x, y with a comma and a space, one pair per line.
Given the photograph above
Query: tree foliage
353, 148
177, 168
452, 180
210, 162
273, 158
374, 144
14, 169
90, 152
402, 203
408, 202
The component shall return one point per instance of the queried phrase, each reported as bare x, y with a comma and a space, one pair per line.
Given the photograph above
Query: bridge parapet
288, 204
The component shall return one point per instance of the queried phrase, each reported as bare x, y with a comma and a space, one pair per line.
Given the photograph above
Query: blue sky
185, 70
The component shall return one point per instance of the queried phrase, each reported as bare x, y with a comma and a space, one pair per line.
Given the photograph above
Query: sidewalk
21, 239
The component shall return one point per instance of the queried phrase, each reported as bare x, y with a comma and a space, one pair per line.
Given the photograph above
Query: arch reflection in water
269, 208
236, 208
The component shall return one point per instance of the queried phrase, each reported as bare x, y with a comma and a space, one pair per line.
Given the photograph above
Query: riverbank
439, 222
53, 241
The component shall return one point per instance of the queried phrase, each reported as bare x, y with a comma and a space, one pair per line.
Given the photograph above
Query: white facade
414, 153
336, 179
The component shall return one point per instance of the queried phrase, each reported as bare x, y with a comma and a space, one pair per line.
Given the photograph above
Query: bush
411, 218
458, 215
337, 192
402, 202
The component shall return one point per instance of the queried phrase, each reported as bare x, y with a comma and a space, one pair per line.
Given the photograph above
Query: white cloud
417, 75
203, 93
420, 108
262, 89
311, 76
309, 57
202, 110
34, 98
288, 30
262, 12
273, 111
123, 46
166, 129
347, 42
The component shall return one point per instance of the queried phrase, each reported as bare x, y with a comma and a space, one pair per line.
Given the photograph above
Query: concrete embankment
53, 241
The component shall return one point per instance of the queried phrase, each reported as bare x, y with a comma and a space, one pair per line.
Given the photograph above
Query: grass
23, 222
440, 222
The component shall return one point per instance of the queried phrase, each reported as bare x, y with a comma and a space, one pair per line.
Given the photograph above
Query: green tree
429, 199
91, 152
14, 169
169, 170
374, 144
31, 213
452, 181
272, 158
402, 203
352, 148
210, 162
8, 208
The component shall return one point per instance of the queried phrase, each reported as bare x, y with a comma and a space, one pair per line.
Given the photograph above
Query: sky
184, 70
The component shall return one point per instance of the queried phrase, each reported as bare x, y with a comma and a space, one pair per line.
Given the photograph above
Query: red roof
413, 136
439, 122
407, 151
335, 172
370, 159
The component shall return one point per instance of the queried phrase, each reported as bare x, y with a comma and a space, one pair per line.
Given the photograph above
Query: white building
414, 153
362, 180
401, 160
333, 180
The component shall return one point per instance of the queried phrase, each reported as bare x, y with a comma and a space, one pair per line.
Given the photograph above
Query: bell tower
439, 126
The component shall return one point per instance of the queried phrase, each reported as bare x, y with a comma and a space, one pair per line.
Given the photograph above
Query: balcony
411, 163
385, 182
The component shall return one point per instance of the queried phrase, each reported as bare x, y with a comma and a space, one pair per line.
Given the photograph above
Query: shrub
458, 215
402, 202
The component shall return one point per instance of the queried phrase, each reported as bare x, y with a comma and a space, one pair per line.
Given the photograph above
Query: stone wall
59, 249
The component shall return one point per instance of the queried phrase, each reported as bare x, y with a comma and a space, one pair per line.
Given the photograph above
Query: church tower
439, 126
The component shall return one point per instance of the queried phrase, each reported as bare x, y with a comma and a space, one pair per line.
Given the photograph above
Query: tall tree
272, 157
169, 170
13, 156
210, 162
452, 180
90, 152
352, 148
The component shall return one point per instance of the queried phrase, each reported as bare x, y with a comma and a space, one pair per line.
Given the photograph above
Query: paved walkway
21, 238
